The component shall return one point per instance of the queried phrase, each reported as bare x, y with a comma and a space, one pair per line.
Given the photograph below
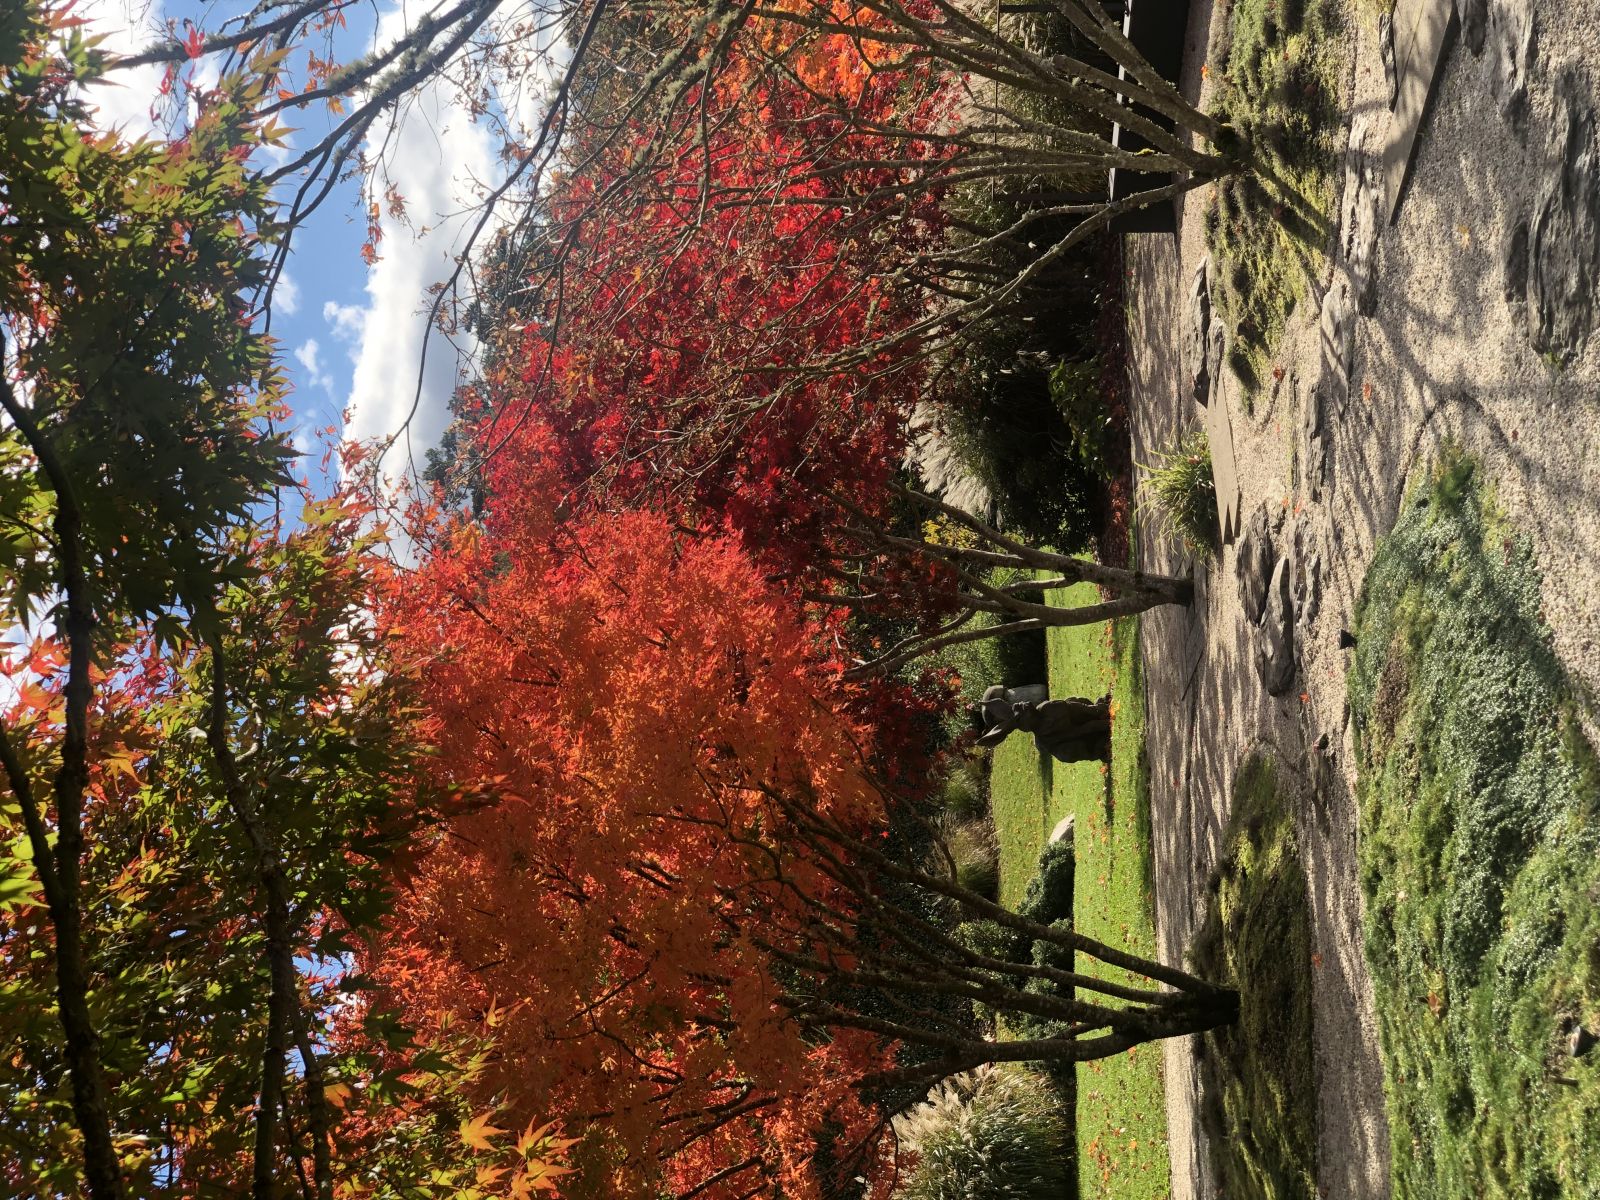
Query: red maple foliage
678, 356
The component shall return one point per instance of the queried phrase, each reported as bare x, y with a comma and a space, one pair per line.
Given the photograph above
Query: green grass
1121, 1115
1278, 86
1480, 857
1260, 1100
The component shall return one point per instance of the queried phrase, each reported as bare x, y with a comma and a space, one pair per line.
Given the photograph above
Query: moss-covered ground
1121, 1114
1259, 1097
1480, 858
1278, 84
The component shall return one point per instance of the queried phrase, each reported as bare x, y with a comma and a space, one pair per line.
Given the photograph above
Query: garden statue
1071, 730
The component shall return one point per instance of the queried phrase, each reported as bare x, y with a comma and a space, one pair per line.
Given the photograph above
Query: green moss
1279, 90
1259, 1099
1480, 818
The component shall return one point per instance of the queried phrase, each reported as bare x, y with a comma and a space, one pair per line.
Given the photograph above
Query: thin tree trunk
282, 1000
90, 1102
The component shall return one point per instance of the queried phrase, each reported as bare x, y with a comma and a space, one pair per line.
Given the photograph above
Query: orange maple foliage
636, 701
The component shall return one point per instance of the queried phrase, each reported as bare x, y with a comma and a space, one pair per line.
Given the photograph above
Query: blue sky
351, 335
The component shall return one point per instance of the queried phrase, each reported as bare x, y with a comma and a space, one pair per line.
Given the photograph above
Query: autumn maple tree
677, 907
676, 904
689, 365
209, 777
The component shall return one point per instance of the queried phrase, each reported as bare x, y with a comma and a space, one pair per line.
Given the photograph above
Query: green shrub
996, 1133
1001, 424
1075, 390
1038, 458
1180, 487
1047, 900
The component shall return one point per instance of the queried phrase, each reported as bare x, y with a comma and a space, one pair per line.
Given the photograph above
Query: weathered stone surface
1564, 235
1391, 77
1511, 37
1216, 344
1474, 16
1305, 567
1361, 219
1580, 1041
1063, 832
1313, 588
1275, 646
1196, 331
1254, 565
1312, 460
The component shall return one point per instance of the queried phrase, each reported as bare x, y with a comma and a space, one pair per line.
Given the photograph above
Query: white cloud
440, 162
286, 296
309, 355
124, 98
305, 445
349, 322
437, 157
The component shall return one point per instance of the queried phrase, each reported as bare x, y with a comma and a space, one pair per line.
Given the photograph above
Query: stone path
1468, 314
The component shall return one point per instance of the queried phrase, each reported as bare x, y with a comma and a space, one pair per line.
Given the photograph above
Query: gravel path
1436, 353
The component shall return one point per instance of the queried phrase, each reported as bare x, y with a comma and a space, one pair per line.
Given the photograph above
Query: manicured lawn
1480, 858
1121, 1117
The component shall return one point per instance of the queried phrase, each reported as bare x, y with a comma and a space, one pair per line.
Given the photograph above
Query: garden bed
1480, 818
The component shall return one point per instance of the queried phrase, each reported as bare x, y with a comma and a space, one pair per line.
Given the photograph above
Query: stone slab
1224, 468
1420, 32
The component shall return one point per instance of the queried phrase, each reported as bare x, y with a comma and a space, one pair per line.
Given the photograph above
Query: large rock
1275, 645
1254, 565
1510, 36
1203, 340
1312, 463
1331, 391
1305, 569
1338, 332
1216, 344
1563, 264
1361, 217
1063, 832
1196, 326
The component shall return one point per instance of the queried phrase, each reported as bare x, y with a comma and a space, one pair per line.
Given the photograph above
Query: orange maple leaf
477, 1132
